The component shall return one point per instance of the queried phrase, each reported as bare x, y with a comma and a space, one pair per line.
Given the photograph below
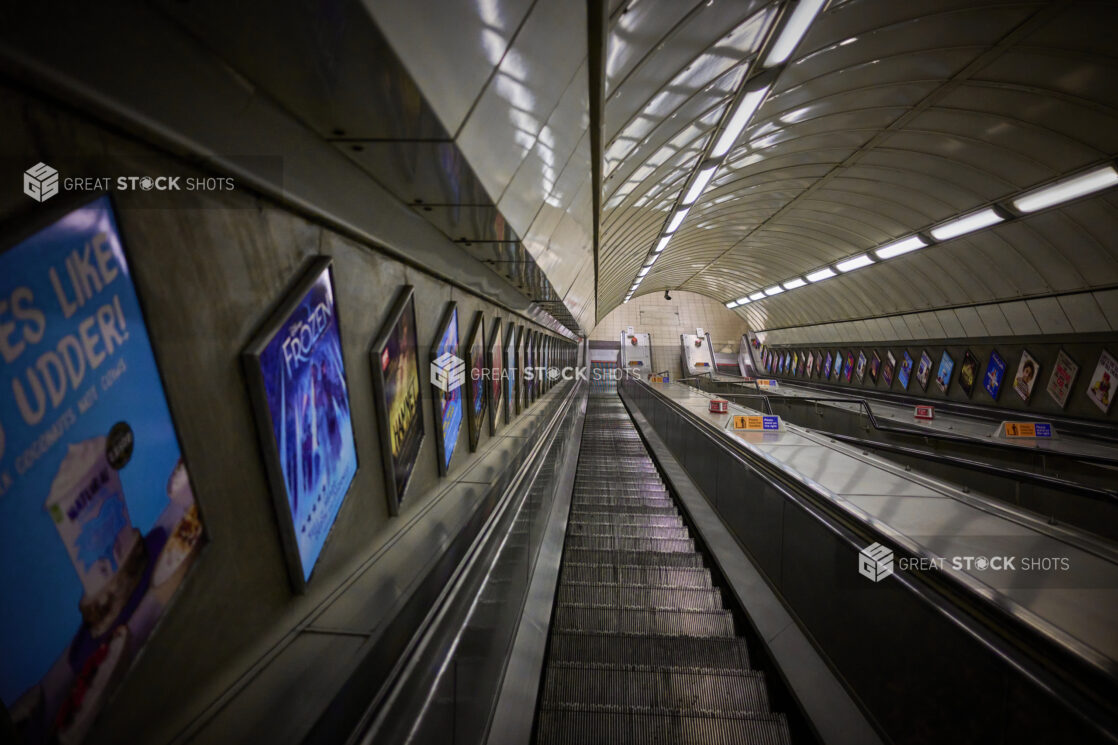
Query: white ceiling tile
1049, 316
1084, 313
950, 322
1020, 318
1108, 302
932, 325
972, 324
995, 323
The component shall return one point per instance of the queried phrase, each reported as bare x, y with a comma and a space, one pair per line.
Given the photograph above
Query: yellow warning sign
749, 422
1027, 429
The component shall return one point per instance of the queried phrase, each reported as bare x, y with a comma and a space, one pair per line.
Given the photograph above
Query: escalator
641, 647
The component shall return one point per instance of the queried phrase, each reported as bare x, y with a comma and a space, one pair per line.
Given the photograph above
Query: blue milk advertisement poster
448, 404
97, 516
995, 374
308, 402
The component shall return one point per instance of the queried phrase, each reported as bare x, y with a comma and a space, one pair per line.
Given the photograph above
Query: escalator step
624, 507
573, 724
654, 502
677, 533
624, 519
644, 620
639, 597
613, 543
636, 576
634, 558
644, 649
738, 691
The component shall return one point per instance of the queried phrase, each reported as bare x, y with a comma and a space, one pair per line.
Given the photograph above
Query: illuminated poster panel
476, 400
395, 364
827, 365
1100, 389
1028, 370
496, 372
848, 369
1062, 378
887, 370
995, 374
968, 373
875, 367
860, 368
446, 388
512, 391
98, 524
904, 373
943, 375
924, 370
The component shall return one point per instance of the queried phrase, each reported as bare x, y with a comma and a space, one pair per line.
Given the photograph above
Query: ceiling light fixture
742, 300
896, 248
967, 224
757, 296
793, 283
774, 290
857, 262
677, 219
1067, 189
738, 121
701, 182
824, 273
731, 305
793, 31
662, 244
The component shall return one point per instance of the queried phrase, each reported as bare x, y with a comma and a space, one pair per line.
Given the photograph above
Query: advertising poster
924, 370
818, 363
1100, 389
522, 358
795, 362
298, 383
875, 367
447, 399
995, 374
1028, 370
860, 368
1062, 378
97, 516
810, 363
904, 374
943, 374
496, 373
848, 370
530, 368
827, 365
512, 402
968, 373
395, 361
476, 401
887, 371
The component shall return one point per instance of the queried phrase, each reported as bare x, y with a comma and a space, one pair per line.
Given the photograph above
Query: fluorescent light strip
701, 182
742, 300
662, 244
774, 290
793, 283
896, 248
967, 224
857, 262
738, 121
1067, 189
824, 273
677, 219
644, 271
731, 305
757, 296
793, 31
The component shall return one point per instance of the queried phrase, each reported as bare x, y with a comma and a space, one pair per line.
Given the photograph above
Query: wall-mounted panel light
662, 244
857, 262
701, 182
677, 219
1067, 189
824, 273
774, 290
793, 283
798, 23
966, 224
742, 300
896, 248
757, 296
738, 121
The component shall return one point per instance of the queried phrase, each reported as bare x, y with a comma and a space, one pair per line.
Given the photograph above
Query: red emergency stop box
718, 406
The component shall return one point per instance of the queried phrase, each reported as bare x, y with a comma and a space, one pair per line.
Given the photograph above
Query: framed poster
904, 374
924, 370
818, 363
395, 364
477, 403
860, 368
875, 367
496, 360
522, 358
1100, 389
848, 369
512, 398
447, 388
297, 381
995, 374
968, 373
827, 365
537, 387
1062, 378
810, 363
99, 526
1028, 370
943, 374
529, 368
887, 370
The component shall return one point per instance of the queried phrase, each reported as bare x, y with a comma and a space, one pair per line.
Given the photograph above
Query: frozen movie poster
476, 403
1028, 370
968, 373
1100, 389
1062, 378
496, 373
875, 367
904, 374
448, 402
98, 521
995, 374
827, 365
943, 374
396, 373
512, 400
300, 367
887, 370
924, 370
860, 368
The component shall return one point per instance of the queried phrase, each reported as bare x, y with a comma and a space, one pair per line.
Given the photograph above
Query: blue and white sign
772, 422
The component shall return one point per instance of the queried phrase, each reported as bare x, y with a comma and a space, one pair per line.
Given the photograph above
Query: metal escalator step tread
570, 617
623, 519
648, 649
653, 502
635, 576
738, 691
676, 533
639, 597
613, 543
611, 725
633, 558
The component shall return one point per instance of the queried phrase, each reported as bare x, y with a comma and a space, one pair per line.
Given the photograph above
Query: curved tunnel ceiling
889, 118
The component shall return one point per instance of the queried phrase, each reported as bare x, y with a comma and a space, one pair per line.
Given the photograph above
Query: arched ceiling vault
889, 118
